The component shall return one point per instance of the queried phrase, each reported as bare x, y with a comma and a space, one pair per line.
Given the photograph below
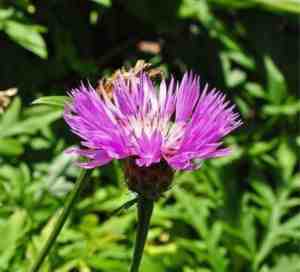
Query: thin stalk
145, 208
82, 178
125, 206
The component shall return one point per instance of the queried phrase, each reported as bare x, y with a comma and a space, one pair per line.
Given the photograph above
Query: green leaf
292, 6
55, 101
105, 264
281, 5
4, 15
28, 36
54, 181
276, 85
288, 109
37, 242
244, 108
11, 115
265, 192
31, 125
287, 264
10, 231
11, 147
106, 3
233, 77
39, 143
194, 8
259, 148
292, 224
255, 90
242, 59
287, 159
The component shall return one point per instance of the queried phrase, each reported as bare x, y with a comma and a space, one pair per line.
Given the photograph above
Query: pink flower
181, 124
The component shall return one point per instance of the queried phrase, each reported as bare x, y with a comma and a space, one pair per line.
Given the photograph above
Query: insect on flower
155, 130
107, 84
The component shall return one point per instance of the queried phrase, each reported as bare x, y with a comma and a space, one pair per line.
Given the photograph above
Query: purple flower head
178, 123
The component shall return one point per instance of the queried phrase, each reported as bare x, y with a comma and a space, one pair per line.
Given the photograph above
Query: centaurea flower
153, 130
178, 124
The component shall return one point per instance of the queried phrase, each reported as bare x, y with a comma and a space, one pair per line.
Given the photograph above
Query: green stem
145, 208
83, 177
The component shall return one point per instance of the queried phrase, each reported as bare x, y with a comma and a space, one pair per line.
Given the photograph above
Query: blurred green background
236, 214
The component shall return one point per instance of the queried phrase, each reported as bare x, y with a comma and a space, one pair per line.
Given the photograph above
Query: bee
5, 98
107, 84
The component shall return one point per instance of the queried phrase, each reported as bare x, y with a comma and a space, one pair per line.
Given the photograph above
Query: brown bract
150, 182
5, 98
107, 84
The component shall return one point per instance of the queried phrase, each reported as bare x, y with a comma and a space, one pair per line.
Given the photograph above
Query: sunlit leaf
11, 231
28, 36
287, 159
277, 88
55, 101
106, 3
11, 115
31, 125
11, 147
287, 264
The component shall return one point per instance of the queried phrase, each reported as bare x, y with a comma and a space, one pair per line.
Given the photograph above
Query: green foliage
106, 3
55, 101
235, 214
277, 5
11, 231
28, 35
